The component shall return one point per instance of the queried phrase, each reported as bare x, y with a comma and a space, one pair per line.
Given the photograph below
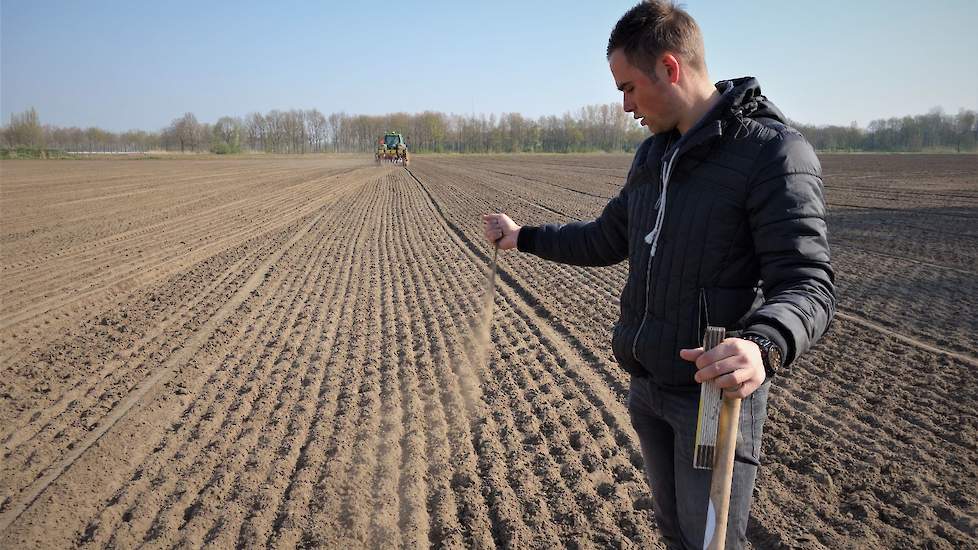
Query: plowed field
295, 352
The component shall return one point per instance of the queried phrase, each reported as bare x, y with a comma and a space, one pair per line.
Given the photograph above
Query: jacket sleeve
603, 241
786, 206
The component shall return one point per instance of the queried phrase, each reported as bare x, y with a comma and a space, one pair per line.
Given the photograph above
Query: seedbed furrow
150, 348
353, 512
85, 411
307, 409
447, 293
123, 292
841, 464
282, 425
412, 487
444, 528
171, 363
358, 391
97, 240
456, 358
168, 216
172, 256
374, 503
539, 466
43, 417
899, 306
206, 440
292, 507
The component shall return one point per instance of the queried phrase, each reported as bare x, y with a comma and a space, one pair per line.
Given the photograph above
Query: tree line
592, 128
932, 131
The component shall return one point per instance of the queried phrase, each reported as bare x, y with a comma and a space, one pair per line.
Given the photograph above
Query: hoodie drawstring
653, 237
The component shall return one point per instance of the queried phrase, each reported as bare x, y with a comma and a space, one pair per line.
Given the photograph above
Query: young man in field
722, 221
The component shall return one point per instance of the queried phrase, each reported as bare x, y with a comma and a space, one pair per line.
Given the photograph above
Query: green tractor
392, 148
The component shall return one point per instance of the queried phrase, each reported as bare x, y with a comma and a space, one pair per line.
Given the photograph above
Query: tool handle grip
719, 507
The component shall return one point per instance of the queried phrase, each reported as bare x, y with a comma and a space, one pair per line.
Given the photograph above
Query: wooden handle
716, 515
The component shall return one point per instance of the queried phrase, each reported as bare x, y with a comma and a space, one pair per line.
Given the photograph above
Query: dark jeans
665, 420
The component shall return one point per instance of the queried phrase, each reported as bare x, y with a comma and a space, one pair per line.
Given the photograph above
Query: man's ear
672, 66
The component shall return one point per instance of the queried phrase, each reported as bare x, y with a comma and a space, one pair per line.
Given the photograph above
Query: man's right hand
501, 230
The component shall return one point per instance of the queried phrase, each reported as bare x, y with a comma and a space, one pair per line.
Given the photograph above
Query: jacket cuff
526, 240
775, 336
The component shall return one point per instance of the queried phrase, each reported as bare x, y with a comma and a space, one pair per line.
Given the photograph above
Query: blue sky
121, 65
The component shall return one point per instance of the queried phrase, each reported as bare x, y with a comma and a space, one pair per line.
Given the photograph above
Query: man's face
647, 99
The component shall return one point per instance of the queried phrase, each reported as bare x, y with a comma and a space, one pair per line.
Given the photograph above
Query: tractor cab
392, 140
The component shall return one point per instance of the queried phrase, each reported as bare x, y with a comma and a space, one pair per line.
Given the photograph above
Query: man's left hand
735, 364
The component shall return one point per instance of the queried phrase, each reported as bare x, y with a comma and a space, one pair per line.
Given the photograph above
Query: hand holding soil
501, 230
735, 364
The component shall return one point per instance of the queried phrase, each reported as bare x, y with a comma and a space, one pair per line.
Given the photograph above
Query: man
722, 221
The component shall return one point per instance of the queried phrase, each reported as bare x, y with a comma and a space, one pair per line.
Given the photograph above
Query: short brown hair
654, 27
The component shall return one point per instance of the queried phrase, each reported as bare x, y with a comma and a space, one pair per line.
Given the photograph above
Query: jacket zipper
664, 176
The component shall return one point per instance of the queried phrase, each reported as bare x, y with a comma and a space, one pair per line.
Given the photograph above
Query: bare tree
226, 135
25, 130
315, 130
255, 128
186, 131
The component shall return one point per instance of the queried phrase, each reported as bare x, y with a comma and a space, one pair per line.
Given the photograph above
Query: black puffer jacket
742, 241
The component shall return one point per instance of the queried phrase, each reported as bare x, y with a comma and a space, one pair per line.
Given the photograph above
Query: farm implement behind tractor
392, 148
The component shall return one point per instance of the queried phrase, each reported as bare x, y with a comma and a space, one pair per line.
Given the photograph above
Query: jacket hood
743, 96
738, 97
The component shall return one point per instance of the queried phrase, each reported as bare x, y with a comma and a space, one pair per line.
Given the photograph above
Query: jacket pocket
621, 346
727, 307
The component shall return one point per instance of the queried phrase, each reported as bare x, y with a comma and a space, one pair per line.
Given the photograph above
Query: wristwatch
770, 354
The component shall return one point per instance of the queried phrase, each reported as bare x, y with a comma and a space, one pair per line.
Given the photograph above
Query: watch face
774, 357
